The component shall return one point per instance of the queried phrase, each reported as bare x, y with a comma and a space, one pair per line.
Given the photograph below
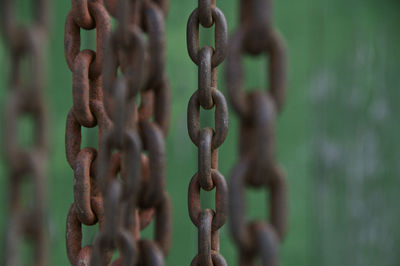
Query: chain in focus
27, 165
257, 112
87, 112
132, 202
207, 139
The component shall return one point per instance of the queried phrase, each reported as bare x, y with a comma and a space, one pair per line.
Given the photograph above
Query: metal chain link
87, 112
257, 111
122, 207
133, 201
207, 140
27, 165
154, 117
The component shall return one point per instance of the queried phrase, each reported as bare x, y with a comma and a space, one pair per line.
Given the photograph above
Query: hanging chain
257, 111
87, 112
132, 202
207, 139
26, 164
123, 207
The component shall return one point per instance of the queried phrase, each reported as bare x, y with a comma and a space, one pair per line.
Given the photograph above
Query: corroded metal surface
207, 139
257, 112
26, 163
120, 186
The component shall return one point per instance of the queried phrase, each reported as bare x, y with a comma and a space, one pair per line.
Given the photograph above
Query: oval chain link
257, 110
87, 112
207, 139
26, 163
138, 133
123, 206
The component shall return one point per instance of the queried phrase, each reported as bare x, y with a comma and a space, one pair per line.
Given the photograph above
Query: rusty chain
87, 112
123, 206
27, 165
131, 138
132, 202
257, 110
207, 139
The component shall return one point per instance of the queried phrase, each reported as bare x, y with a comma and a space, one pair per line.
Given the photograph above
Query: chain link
138, 134
121, 206
87, 112
121, 185
257, 111
26, 164
207, 140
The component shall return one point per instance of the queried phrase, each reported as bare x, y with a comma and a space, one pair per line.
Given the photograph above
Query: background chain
207, 139
131, 205
27, 218
257, 111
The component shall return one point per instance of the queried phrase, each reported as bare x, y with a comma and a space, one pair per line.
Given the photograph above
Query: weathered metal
257, 111
26, 164
87, 111
207, 139
118, 185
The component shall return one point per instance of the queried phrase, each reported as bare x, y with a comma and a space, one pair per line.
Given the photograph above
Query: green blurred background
337, 136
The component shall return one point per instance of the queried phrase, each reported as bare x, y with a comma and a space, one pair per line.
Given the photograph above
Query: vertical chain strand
26, 222
153, 124
138, 134
88, 111
257, 111
207, 139
120, 194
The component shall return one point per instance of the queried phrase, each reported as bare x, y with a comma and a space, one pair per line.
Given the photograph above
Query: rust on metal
257, 111
88, 111
26, 163
207, 139
120, 185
